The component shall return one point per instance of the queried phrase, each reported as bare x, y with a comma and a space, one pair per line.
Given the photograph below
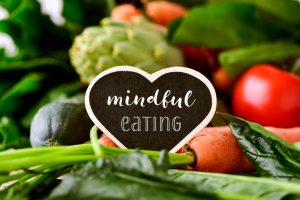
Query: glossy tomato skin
269, 96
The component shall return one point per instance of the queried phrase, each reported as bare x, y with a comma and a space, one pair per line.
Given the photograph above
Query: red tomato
269, 96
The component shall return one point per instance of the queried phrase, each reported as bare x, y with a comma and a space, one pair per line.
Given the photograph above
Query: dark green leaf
12, 100
82, 13
235, 187
287, 10
271, 156
189, 3
33, 32
29, 64
57, 93
10, 135
238, 60
5, 85
11, 5
136, 176
224, 25
133, 176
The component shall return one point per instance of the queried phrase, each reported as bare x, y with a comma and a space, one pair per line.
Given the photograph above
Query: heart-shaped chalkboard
155, 111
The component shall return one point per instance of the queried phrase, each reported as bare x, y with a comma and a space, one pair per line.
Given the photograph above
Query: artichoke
140, 44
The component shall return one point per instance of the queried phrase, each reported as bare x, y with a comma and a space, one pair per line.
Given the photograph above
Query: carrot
216, 149
164, 12
125, 13
105, 141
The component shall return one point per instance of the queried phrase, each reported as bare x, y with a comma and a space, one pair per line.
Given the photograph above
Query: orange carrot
164, 12
125, 13
105, 141
217, 150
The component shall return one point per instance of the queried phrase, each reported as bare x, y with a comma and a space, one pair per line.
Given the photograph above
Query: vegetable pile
249, 49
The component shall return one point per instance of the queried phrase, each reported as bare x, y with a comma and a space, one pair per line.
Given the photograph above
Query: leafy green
189, 3
11, 100
137, 176
271, 156
287, 10
226, 186
57, 93
237, 60
10, 135
225, 25
33, 33
31, 64
82, 13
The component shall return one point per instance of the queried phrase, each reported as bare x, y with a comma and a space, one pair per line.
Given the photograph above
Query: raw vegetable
209, 142
221, 80
120, 174
137, 176
269, 96
11, 100
212, 30
40, 62
60, 123
125, 13
164, 12
270, 155
19, 177
141, 44
201, 59
238, 60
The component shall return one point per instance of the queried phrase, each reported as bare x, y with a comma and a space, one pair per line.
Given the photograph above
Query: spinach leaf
137, 176
238, 60
133, 176
271, 156
225, 25
226, 186
287, 10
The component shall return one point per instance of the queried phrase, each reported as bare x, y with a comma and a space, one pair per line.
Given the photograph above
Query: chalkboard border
152, 78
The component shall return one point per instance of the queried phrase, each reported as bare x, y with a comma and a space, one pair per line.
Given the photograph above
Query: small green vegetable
60, 123
140, 44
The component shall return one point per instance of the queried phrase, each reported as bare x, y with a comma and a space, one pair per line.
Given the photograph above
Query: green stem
21, 153
94, 141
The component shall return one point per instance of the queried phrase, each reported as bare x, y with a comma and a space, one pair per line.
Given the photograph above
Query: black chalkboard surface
150, 111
